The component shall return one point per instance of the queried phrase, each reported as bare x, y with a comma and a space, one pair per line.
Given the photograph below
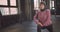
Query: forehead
41, 4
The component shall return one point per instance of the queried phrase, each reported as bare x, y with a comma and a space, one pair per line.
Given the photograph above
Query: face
42, 6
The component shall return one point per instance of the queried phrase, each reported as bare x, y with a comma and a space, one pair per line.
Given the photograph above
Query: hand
40, 24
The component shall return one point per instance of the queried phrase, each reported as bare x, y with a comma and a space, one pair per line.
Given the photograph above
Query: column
19, 12
19, 8
28, 9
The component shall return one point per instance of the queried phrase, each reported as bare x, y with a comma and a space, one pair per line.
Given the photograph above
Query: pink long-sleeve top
44, 17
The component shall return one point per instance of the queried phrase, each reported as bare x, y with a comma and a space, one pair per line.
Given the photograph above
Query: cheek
42, 6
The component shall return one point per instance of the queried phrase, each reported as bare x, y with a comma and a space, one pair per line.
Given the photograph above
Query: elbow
34, 17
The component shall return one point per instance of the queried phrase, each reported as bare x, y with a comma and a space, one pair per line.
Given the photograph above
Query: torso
42, 16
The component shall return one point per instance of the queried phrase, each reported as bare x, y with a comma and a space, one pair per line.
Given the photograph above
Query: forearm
38, 23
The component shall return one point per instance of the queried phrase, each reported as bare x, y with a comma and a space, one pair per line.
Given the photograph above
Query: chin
42, 9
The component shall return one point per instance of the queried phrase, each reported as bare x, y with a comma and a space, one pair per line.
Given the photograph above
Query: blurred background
17, 15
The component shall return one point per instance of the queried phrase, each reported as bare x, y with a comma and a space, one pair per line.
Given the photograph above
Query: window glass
13, 11
36, 4
4, 11
3, 2
13, 2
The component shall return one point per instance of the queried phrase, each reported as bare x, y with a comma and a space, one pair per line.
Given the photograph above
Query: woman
43, 18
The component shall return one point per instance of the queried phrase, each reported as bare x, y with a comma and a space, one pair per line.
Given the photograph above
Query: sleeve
35, 19
48, 18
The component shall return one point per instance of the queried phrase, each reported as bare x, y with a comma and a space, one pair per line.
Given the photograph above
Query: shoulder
47, 10
37, 11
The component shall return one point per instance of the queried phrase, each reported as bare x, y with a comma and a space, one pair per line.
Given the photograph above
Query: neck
42, 10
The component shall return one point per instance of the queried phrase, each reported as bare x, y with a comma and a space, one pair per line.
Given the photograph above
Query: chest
42, 14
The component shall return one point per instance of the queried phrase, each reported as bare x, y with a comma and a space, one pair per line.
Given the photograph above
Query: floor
30, 26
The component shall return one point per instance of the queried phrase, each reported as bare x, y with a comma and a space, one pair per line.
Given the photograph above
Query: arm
36, 20
48, 18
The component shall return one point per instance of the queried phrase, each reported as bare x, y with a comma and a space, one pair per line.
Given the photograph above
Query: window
4, 10
8, 7
13, 11
52, 4
36, 4
3, 2
12, 2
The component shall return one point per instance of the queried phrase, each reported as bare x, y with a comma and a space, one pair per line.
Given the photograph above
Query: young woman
43, 18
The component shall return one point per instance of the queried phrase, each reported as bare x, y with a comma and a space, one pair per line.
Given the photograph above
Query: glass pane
36, 4
13, 11
4, 11
52, 3
13, 2
3, 2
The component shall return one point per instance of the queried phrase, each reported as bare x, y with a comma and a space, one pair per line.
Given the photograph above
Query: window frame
9, 6
8, 2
